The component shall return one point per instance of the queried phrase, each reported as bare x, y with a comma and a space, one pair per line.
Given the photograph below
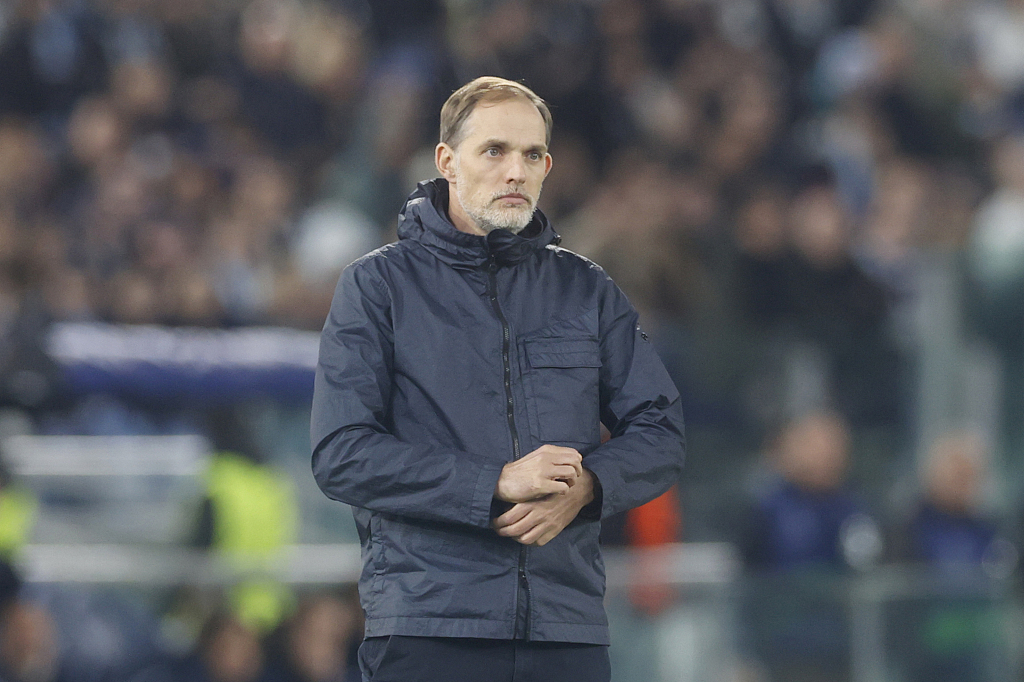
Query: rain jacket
446, 355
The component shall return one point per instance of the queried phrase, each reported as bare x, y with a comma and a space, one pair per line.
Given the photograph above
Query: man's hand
548, 470
538, 522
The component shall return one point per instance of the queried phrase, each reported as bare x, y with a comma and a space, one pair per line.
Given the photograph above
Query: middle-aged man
464, 375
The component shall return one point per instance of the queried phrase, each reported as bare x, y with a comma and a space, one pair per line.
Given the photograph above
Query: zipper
506, 343
523, 583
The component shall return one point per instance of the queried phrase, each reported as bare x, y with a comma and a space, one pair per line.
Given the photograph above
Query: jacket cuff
604, 490
592, 511
483, 496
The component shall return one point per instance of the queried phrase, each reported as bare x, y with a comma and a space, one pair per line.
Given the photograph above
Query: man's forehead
507, 117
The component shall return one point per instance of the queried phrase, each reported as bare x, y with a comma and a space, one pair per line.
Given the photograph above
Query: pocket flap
563, 353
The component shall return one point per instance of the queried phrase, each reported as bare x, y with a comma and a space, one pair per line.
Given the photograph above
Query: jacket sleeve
356, 460
641, 408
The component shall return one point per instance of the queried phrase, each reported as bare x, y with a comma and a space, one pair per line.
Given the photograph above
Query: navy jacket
945, 540
793, 528
445, 356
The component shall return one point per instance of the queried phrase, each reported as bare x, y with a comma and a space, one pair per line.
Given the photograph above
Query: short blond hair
485, 89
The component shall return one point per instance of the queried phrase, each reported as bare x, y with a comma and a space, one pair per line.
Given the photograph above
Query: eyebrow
502, 144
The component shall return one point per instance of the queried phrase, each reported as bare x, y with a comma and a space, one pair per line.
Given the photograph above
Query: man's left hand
538, 522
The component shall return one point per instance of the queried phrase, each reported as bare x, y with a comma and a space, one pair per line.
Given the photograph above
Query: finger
571, 458
564, 472
522, 527
516, 513
543, 450
548, 532
547, 486
533, 535
572, 455
544, 539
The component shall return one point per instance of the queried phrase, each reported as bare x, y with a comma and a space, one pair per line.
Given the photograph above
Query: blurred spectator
949, 531
249, 515
226, 651
100, 635
29, 378
760, 297
29, 644
50, 55
287, 114
802, 536
998, 39
950, 636
822, 324
329, 236
996, 261
809, 519
642, 225
18, 507
318, 643
839, 312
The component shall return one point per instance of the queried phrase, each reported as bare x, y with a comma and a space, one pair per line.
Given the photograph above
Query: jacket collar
425, 219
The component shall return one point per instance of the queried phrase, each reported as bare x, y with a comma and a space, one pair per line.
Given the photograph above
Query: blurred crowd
64, 636
763, 177
774, 183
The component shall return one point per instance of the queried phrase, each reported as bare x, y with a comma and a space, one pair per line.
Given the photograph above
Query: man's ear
547, 164
444, 159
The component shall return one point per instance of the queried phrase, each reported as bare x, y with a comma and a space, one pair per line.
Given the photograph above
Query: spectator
951, 536
996, 258
29, 645
803, 536
809, 519
838, 312
249, 515
949, 531
318, 643
18, 507
226, 651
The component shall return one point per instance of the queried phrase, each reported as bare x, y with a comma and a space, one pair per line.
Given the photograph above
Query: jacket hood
425, 219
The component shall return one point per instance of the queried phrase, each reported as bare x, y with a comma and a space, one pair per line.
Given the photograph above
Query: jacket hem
434, 626
575, 633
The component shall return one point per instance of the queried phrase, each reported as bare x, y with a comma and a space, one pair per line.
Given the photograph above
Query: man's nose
516, 169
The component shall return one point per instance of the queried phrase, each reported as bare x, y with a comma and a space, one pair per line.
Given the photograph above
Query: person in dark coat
226, 650
804, 533
949, 531
952, 634
317, 643
464, 375
806, 521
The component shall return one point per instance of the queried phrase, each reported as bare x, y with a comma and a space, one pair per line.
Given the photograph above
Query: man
464, 374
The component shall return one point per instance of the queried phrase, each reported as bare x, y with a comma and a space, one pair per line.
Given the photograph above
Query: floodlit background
817, 206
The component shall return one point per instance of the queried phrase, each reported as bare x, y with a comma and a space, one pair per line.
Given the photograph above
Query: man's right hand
550, 469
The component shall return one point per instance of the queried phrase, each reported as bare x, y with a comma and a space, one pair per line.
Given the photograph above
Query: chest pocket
562, 386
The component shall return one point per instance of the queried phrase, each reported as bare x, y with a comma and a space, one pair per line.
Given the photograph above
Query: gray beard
512, 221
490, 227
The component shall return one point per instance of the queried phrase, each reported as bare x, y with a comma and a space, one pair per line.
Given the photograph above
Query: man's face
497, 169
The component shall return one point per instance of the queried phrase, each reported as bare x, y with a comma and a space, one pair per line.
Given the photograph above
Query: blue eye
492, 151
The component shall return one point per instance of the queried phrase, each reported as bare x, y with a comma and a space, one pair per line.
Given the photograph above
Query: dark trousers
450, 659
